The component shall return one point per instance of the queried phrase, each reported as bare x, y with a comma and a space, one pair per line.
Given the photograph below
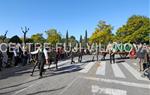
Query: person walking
111, 50
80, 53
72, 56
141, 55
1, 58
42, 59
16, 56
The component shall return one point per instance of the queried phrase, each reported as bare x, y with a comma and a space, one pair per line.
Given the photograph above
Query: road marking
139, 85
101, 68
108, 91
117, 71
87, 67
134, 72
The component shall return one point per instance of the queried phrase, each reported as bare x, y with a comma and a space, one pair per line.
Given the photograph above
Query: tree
15, 39
72, 40
38, 38
85, 40
53, 36
136, 30
86, 37
81, 39
102, 34
67, 37
25, 33
3, 38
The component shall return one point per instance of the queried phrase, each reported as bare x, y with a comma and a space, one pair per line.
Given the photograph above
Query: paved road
85, 78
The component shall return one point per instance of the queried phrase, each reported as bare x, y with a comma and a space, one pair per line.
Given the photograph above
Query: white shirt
45, 52
15, 52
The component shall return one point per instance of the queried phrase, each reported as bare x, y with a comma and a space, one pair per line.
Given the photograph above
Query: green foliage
81, 39
37, 38
86, 39
28, 40
72, 40
103, 33
136, 30
15, 39
67, 38
3, 38
53, 36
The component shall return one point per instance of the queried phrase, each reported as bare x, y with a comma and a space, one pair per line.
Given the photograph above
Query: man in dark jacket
42, 59
1, 58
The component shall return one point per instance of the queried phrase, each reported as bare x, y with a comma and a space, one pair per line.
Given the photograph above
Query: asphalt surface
85, 78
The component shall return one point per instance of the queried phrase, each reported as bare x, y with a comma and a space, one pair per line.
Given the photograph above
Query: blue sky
73, 15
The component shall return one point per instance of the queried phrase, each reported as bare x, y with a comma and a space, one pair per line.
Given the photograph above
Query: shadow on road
63, 70
9, 92
15, 71
46, 91
18, 84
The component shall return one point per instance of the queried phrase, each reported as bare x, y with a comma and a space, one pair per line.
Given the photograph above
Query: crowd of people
41, 56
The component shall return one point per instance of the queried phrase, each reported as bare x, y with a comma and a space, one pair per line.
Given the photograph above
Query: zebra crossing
116, 70
101, 68
87, 67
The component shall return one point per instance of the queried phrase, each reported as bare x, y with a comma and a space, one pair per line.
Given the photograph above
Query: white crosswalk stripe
87, 67
117, 71
101, 68
134, 72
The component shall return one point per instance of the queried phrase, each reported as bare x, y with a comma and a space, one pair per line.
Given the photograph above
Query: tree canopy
38, 38
137, 29
53, 36
102, 33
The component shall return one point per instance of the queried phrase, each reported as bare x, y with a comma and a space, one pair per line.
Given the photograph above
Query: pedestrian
42, 59
97, 53
146, 57
141, 55
16, 56
80, 53
1, 58
111, 50
24, 58
57, 57
72, 56
5, 59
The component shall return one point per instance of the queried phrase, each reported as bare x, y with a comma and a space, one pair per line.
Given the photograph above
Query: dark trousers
36, 64
55, 62
80, 58
104, 55
112, 58
97, 57
0, 64
24, 61
41, 65
16, 60
72, 57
